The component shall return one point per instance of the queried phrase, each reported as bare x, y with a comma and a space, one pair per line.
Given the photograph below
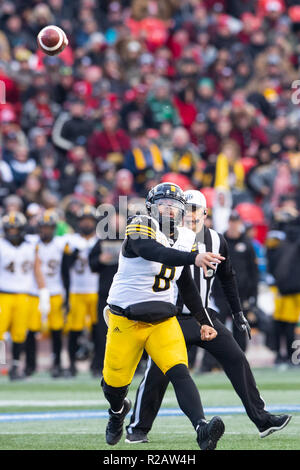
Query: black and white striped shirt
209, 240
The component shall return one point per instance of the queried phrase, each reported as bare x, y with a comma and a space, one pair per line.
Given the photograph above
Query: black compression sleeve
191, 297
151, 250
227, 277
94, 263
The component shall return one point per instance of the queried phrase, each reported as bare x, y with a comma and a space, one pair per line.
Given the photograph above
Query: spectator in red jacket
185, 104
246, 132
110, 143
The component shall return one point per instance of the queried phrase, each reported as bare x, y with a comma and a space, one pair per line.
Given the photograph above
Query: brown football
52, 40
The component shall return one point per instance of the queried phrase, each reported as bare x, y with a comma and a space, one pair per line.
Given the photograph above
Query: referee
224, 347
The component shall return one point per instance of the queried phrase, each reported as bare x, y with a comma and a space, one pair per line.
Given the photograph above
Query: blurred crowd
199, 92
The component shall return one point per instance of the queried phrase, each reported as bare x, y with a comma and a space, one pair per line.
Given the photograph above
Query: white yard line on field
58, 403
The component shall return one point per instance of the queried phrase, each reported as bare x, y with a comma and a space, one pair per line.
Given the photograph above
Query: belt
117, 310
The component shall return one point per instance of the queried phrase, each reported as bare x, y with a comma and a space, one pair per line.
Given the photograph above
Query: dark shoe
56, 372
209, 433
274, 423
136, 436
114, 429
71, 372
14, 374
29, 371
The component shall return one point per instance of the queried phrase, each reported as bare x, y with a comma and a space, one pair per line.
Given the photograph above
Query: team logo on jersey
241, 247
210, 273
117, 330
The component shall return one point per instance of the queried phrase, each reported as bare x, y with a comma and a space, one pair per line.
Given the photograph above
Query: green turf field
41, 397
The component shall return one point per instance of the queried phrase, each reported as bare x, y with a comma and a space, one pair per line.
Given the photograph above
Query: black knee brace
114, 395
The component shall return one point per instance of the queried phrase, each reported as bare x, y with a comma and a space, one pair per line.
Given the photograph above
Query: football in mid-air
52, 40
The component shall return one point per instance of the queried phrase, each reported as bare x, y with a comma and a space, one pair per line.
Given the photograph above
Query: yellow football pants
126, 340
14, 316
83, 311
55, 316
287, 307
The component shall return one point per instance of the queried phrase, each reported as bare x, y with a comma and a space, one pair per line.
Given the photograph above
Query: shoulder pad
142, 226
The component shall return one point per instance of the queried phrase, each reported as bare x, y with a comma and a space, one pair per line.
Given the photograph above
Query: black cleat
14, 374
136, 437
114, 429
56, 372
29, 371
274, 423
71, 372
209, 433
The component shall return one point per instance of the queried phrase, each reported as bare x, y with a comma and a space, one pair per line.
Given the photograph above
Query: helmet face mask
46, 233
166, 204
47, 226
87, 225
87, 219
14, 225
14, 235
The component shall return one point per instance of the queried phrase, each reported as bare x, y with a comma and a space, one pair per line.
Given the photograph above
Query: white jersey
50, 255
16, 266
139, 280
82, 279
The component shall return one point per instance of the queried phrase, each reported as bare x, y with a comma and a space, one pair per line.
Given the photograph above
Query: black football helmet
170, 194
85, 216
14, 226
47, 225
48, 219
87, 211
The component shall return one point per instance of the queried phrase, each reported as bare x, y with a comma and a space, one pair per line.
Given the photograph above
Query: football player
50, 250
224, 347
80, 281
18, 263
141, 313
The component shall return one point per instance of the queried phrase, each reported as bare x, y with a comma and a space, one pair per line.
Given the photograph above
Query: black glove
241, 323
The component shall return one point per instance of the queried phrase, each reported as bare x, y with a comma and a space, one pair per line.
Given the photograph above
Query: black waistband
117, 310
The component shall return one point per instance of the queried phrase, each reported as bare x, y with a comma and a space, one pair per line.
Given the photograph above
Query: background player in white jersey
155, 254
80, 282
50, 250
19, 262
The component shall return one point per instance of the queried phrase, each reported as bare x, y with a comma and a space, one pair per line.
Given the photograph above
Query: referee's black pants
228, 353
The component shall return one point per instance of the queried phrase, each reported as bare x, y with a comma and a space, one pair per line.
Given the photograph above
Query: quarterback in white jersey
143, 280
81, 283
19, 264
155, 255
50, 251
